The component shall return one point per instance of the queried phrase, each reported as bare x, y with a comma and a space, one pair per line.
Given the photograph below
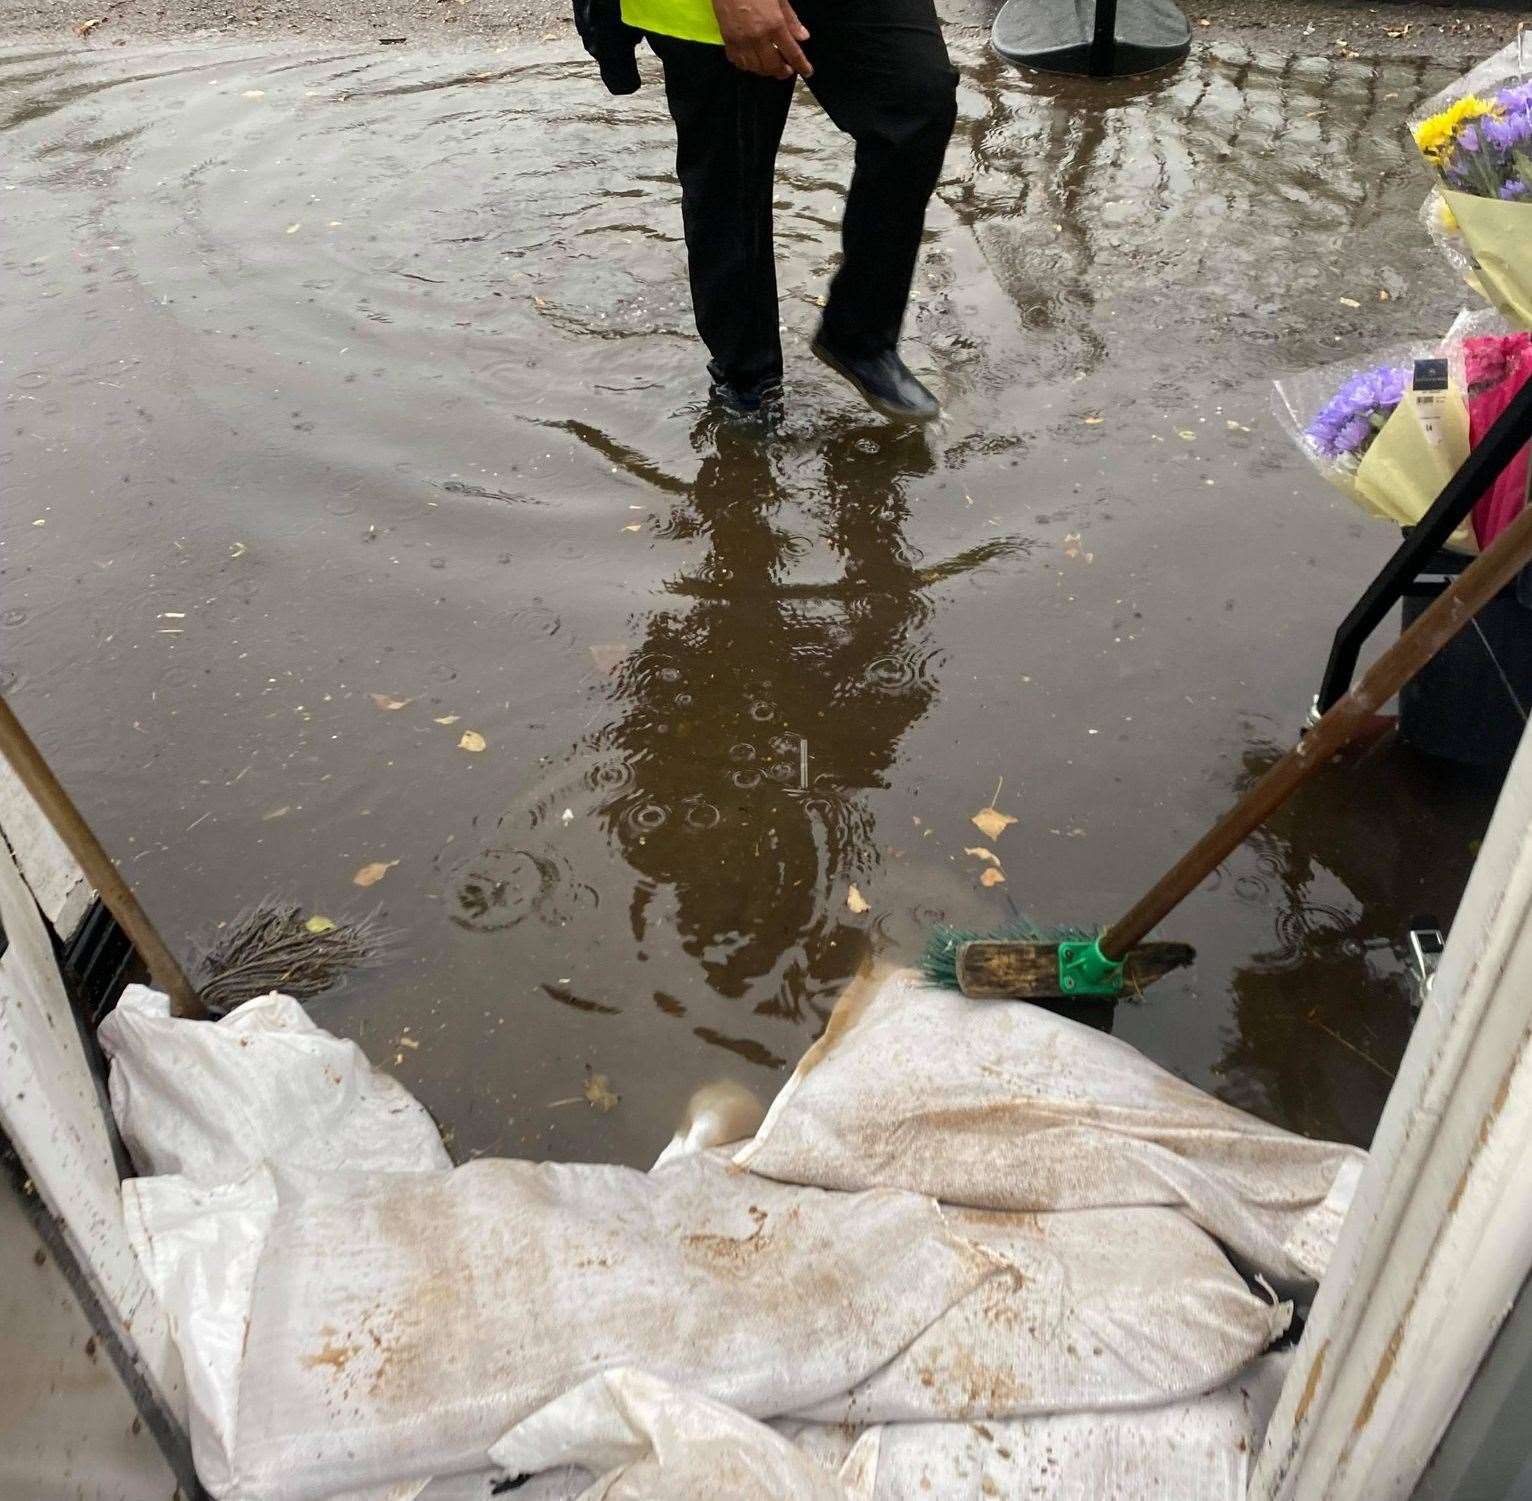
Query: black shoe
763, 399
886, 383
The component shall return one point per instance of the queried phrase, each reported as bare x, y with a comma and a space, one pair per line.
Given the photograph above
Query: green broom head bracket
1085, 970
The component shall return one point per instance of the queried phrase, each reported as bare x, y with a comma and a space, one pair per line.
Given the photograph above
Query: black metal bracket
1511, 432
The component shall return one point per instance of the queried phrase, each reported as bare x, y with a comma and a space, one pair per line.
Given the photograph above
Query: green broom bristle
939, 961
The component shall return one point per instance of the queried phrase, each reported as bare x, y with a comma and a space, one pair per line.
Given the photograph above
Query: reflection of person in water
756, 715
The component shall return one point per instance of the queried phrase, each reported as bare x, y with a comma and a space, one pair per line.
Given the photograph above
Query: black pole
1511, 432
1103, 42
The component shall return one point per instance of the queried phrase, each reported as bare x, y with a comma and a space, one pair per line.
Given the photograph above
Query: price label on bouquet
1429, 388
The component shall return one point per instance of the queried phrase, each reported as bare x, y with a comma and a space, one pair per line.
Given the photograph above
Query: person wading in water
880, 70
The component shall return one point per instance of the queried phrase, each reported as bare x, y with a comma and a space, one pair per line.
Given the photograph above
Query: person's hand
763, 36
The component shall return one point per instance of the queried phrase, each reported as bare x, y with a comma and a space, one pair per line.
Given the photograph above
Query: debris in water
388, 703
992, 877
598, 1091
991, 822
449, 718
272, 946
856, 901
982, 853
472, 741
370, 875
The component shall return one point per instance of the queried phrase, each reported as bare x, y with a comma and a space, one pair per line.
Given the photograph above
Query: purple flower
1517, 97
1345, 422
1504, 133
1514, 189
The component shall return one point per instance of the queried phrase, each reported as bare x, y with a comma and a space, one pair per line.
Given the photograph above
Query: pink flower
1487, 360
1504, 501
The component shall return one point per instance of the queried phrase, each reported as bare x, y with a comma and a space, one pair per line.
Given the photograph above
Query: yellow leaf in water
254, 94
991, 822
370, 875
1348, 302
472, 741
992, 877
387, 702
598, 1090
319, 924
293, 229
281, 812
1094, 421
856, 901
982, 853
449, 719
1187, 434
637, 526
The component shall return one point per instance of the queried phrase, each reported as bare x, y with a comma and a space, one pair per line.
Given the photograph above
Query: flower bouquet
1496, 367
1478, 136
1368, 435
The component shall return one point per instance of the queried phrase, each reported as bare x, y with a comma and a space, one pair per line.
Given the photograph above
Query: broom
270, 946
1027, 963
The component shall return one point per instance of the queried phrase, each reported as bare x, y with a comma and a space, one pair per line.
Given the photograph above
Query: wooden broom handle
36, 776
1479, 583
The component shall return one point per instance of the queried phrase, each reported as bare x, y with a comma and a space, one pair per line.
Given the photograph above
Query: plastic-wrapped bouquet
1478, 136
1496, 367
1389, 434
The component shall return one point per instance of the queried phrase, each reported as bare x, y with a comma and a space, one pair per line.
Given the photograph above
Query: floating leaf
598, 1090
275, 813
472, 741
1348, 302
387, 702
293, 229
1094, 421
856, 901
992, 877
370, 875
86, 27
319, 924
449, 719
609, 655
636, 526
1187, 434
982, 853
991, 822
567, 816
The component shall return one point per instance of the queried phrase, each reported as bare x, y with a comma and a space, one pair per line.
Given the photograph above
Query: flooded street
361, 509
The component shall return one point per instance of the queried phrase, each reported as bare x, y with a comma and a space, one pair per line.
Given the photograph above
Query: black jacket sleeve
611, 41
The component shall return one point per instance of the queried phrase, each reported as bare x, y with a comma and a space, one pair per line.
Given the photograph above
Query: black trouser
882, 74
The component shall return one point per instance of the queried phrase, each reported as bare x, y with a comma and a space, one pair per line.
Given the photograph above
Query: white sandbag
399, 1323
263, 1084
647, 1440
1201, 1450
1100, 1310
1002, 1105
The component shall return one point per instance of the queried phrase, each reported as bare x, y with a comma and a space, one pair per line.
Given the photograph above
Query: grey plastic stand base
1055, 36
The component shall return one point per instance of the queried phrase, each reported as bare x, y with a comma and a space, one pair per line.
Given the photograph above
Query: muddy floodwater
361, 509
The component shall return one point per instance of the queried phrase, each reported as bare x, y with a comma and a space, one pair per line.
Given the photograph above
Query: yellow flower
1435, 135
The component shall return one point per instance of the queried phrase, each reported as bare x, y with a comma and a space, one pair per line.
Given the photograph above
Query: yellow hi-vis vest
691, 20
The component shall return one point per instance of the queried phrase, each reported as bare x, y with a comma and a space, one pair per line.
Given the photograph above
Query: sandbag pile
357, 1317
